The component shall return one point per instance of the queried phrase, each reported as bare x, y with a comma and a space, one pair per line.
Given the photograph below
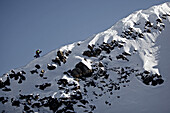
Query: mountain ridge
74, 77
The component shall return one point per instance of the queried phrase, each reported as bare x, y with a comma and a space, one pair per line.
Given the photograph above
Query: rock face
82, 77
81, 70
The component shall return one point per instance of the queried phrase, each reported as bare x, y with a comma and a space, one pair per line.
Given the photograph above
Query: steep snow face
145, 22
91, 75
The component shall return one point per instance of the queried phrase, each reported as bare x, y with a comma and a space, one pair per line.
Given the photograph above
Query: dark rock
148, 24
3, 100
23, 72
146, 72
91, 47
57, 60
97, 52
159, 20
2, 84
76, 96
7, 82
154, 82
141, 35
61, 56
22, 77
26, 108
51, 66
126, 54
147, 30
34, 71
43, 86
76, 72
37, 66
67, 53
147, 79
81, 106
16, 103
62, 81
122, 57
6, 89
159, 81
83, 101
37, 105
20, 81
87, 53
86, 72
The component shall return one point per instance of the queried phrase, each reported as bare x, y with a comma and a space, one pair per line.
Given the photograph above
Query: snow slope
123, 69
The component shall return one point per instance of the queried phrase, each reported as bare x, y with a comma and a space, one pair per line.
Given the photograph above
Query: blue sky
27, 25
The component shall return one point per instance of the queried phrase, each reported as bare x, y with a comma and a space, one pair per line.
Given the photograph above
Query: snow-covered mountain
123, 69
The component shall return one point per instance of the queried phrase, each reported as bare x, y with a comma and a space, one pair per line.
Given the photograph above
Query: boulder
37, 66
51, 66
76, 72
87, 53
86, 72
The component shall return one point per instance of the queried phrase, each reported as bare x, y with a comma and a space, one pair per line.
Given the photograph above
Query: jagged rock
86, 72
81, 70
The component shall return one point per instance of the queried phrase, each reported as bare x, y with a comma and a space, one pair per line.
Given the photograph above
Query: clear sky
27, 25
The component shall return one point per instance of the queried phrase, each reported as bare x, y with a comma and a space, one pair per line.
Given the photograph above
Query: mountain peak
79, 76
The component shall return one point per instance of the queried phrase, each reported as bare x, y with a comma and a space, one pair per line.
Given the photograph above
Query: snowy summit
113, 71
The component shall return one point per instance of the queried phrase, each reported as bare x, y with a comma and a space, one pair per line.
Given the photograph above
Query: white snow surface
149, 53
